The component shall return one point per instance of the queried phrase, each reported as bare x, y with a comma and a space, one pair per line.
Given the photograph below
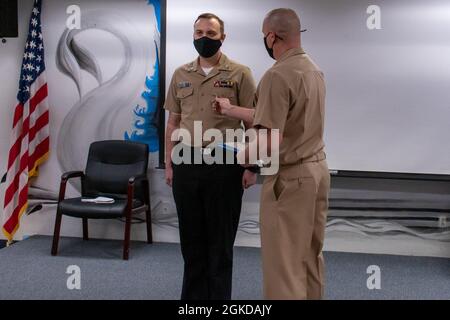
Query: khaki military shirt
191, 94
291, 98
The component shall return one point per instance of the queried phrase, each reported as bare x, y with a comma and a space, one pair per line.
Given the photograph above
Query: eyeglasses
277, 36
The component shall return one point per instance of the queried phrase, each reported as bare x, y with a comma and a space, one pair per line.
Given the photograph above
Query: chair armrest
64, 178
72, 174
135, 179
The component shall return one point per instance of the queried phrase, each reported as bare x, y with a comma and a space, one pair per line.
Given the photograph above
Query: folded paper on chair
98, 200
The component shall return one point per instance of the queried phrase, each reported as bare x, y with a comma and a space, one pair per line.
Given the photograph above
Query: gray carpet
28, 271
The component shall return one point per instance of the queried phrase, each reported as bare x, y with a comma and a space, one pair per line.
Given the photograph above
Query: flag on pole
30, 141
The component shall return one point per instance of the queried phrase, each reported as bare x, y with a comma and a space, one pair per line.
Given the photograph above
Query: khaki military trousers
293, 217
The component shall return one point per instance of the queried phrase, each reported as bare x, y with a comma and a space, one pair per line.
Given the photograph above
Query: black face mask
269, 50
207, 47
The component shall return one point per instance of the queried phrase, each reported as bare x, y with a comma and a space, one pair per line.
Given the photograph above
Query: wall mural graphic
98, 111
146, 125
114, 63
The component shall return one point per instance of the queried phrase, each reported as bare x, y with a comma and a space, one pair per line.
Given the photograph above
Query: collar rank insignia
184, 84
224, 84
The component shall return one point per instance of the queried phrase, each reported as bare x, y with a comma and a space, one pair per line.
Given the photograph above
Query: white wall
387, 90
387, 97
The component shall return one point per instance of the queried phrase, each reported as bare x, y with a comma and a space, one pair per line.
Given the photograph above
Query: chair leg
126, 242
56, 233
148, 215
85, 229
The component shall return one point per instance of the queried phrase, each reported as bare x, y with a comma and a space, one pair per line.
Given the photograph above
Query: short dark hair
212, 16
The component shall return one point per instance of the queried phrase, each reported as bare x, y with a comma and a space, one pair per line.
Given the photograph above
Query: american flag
30, 141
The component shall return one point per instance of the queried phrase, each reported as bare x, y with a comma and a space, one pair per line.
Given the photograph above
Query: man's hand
248, 179
169, 175
222, 106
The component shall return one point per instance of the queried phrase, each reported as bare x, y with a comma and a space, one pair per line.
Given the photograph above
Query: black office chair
115, 169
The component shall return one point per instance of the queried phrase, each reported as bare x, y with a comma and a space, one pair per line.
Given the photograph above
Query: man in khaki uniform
294, 202
208, 197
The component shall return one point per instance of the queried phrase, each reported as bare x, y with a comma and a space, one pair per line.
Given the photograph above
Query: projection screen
388, 89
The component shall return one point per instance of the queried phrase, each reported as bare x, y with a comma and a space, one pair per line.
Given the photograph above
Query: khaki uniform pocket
225, 93
186, 97
284, 187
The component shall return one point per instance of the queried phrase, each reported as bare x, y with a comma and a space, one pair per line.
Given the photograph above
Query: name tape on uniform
224, 84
